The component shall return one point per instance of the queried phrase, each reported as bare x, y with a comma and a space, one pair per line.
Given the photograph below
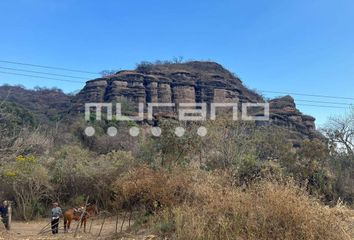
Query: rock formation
283, 113
191, 82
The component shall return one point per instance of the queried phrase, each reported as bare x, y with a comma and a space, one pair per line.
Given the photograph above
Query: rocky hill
191, 82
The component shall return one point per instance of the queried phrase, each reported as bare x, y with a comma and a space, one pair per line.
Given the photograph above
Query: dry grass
263, 211
196, 204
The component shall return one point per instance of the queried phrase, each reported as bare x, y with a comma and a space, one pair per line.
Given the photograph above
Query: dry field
30, 230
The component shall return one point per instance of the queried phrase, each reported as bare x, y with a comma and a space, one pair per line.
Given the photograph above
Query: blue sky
296, 46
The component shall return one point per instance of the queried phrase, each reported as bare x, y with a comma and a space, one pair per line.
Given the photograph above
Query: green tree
29, 184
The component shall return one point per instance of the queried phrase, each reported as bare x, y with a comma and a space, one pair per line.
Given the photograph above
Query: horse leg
65, 222
121, 226
85, 224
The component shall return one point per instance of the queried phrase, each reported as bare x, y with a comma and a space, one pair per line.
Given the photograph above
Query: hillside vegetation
240, 181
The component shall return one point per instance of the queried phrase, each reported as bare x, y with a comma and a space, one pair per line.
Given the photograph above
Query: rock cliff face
192, 82
283, 113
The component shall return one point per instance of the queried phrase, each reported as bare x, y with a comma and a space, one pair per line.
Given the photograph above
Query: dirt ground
30, 231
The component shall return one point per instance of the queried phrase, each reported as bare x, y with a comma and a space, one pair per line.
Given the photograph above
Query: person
56, 214
4, 213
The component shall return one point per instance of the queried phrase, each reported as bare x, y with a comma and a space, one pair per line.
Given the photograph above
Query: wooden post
117, 222
91, 225
9, 208
44, 228
130, 217
82, 215
104, 219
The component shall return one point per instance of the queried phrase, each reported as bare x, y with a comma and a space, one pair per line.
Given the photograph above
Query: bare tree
340, 132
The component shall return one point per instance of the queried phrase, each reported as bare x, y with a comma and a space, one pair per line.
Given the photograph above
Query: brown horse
75, 214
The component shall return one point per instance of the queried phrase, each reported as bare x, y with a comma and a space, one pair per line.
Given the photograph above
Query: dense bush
151, 189
169, 150
263, 211
101, 143
29, 185
76, 172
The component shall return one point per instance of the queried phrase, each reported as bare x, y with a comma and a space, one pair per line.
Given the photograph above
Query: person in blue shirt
4, 213
56, 214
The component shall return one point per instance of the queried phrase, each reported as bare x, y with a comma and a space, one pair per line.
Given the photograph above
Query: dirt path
30, 230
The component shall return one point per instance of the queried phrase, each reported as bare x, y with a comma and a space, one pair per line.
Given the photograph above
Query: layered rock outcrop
192, 82
283, 113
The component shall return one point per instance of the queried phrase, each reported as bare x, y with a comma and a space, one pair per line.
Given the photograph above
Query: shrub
144, 66
168, 150
151, 189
